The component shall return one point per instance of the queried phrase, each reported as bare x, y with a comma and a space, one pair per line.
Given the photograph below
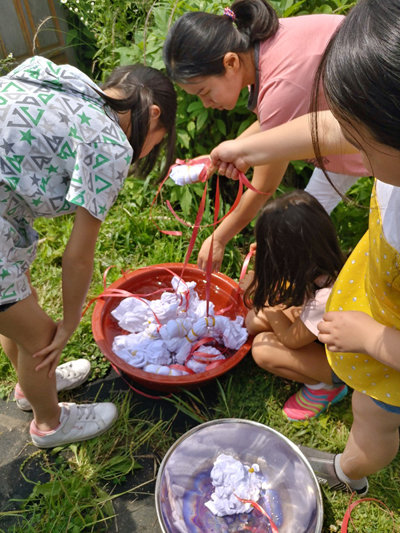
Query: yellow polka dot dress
369, 282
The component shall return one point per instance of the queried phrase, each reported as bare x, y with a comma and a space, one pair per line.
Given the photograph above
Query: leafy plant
103, 26
7, 64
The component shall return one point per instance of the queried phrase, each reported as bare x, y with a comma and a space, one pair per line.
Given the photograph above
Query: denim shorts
387, 407
336, 380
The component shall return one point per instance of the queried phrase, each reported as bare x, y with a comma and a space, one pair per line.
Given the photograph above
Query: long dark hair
360, 71
197, 43
143, 87
296, 243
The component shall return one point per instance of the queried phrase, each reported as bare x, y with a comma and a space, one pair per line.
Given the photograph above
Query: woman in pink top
216, 56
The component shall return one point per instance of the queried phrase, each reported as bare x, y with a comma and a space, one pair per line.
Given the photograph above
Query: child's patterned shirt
60, 148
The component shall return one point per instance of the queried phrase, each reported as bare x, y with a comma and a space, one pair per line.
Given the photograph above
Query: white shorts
323, 191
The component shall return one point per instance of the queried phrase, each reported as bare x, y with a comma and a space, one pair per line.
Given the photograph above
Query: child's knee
256, 322
260, 349
249, 321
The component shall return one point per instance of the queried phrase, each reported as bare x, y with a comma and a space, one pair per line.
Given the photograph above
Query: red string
261, 510
203, 178
122, 293
352, 505
210, 252
246, 264
196, 226
243, 181
196, 345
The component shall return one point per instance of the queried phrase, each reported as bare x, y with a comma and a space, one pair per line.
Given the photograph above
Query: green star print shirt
59, 148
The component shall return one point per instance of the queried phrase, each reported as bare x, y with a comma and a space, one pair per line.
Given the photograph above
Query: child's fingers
329, 316
51, 361
42, 352
222, 168
54, 365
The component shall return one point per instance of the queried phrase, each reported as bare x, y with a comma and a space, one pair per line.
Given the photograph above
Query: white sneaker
77, 423
68, 376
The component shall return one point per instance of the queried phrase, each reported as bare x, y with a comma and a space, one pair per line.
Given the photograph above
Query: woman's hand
217, 254
348, 331
52, 352
227, 159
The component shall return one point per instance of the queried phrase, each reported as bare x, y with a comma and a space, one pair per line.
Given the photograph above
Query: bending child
66, 147
216, 56
297, 261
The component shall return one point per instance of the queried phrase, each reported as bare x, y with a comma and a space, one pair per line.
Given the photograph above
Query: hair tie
229, 13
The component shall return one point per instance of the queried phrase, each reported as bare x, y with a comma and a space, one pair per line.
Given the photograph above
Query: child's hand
247, 280
52, 352
348, 331
227, 159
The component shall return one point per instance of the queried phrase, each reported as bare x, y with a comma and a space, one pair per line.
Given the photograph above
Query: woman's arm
77, 267
355, 331
290, 141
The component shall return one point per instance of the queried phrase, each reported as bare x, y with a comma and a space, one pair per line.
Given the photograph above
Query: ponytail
256, 19
197, 43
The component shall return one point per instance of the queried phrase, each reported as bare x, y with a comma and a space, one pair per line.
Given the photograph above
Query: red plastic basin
223, 293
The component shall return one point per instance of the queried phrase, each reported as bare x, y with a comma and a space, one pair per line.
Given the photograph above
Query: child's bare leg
26, 324
305, 365
10, 349
374, 438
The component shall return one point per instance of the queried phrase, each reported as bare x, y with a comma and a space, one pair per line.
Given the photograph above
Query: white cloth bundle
231, 333
197, 364
133, 314
164, 370
154, 343
232, 478
185, 174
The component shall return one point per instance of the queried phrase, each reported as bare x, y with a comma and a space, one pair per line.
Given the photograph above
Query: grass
81, 481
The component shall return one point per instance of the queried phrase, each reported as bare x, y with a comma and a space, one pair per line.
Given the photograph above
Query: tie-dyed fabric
59, 148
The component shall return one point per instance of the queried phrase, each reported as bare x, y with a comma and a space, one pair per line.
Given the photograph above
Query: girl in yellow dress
360, 72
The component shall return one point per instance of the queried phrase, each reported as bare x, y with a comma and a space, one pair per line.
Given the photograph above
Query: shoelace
67, 372
86, 412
